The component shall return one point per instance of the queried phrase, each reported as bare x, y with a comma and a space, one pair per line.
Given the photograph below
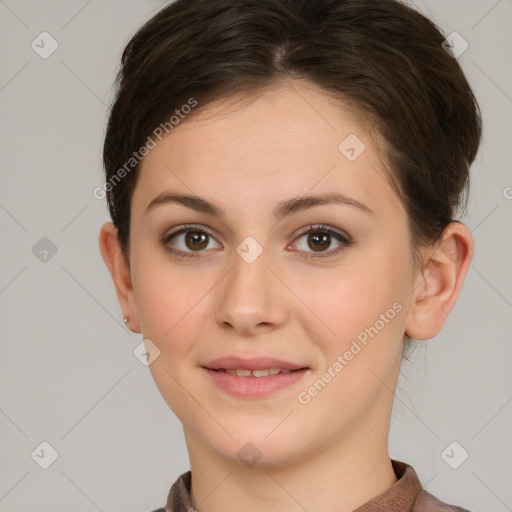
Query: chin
258, 447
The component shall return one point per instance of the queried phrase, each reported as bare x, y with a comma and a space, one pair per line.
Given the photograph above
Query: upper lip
255, 363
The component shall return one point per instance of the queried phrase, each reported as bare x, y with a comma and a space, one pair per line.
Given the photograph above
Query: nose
251, 299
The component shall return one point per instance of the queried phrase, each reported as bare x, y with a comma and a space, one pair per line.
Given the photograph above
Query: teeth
261, 373
256, 373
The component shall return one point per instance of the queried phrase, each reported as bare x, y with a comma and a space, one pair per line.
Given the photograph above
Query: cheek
169, 300
358, 315
343, 303
360, 340
172, 306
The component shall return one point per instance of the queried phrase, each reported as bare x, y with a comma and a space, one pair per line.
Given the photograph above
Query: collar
400, 497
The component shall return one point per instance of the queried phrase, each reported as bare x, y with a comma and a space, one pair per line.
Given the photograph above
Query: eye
319, 238
188, 240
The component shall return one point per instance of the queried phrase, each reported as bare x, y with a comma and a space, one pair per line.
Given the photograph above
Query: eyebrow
282, 209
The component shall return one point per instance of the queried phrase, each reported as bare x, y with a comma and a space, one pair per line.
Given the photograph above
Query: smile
253, 384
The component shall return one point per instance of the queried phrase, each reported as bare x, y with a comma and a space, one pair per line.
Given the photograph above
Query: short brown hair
381, 56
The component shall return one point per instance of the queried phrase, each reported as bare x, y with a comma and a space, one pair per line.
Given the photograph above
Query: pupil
317, 238
196, 237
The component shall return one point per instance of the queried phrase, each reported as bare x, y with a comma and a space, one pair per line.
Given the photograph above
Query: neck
339, 478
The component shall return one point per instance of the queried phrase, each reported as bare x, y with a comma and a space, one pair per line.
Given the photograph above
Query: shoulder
426, 502
159, 510
408, 494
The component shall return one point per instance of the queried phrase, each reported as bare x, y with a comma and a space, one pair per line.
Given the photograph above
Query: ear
438, 287
119, 269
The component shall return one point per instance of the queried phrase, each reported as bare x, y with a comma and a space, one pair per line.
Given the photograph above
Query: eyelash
318, 228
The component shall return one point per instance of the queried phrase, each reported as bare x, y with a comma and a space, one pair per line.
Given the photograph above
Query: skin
246, 154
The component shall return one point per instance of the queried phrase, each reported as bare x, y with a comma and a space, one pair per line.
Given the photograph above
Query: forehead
267, 145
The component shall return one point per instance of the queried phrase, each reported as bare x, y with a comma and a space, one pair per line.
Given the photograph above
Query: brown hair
380, 56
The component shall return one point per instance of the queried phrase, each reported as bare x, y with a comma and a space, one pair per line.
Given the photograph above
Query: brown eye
319, 241
196, 240
188, 240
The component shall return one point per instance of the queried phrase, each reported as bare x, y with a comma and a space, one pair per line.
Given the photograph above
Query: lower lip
254, 387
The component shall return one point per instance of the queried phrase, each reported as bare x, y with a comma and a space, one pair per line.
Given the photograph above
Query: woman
283, 178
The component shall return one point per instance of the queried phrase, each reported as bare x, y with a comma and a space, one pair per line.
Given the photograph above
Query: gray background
68, 375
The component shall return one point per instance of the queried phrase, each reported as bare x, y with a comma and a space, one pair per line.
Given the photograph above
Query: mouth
254, 378
256, 373
253, 364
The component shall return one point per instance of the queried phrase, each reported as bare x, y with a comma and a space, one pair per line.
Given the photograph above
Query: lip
253, 387
254, 363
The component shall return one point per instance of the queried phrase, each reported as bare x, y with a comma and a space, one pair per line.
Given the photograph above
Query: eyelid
323, 227
186, 227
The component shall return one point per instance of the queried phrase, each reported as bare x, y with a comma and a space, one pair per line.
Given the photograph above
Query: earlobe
115, 261
439, 284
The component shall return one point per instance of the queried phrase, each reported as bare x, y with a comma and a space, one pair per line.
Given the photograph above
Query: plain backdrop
68, 375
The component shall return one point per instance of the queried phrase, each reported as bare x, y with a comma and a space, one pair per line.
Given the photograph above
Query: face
321, 285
